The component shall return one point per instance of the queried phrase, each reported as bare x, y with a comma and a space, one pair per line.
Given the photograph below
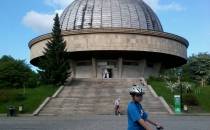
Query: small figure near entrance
117, 107
105, 74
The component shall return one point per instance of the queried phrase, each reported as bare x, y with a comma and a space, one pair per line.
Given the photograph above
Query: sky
23, 20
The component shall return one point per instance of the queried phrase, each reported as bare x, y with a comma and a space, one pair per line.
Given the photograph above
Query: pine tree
54, 66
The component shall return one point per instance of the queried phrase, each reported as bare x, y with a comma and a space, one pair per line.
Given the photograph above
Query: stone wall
148, 41
131, 71
116, 41
141, 69
83, 72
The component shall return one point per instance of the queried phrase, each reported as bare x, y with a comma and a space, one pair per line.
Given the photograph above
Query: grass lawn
161, 90
203, 96
33, 97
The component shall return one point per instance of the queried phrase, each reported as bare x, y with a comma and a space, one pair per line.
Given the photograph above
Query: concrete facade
106, 41
118, 70
124, 38
115, 41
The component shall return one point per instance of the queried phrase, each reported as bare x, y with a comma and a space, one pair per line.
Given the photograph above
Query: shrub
190, 99
175, 87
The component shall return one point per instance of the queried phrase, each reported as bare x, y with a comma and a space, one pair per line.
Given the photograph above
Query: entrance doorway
107, 73
110, 72
107, 69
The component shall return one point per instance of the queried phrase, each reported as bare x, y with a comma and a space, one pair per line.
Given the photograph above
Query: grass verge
31, 100
202, 94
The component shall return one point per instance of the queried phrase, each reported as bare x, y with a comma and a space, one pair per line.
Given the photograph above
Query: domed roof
94, 14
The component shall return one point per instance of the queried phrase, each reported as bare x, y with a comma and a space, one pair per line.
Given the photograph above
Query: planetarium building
114, 39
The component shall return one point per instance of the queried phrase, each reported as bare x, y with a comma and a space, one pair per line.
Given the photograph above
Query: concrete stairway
88, 96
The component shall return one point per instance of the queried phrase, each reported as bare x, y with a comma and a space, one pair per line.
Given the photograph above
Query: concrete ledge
36, 112
116, 30
152, 91
193, 114
24, 115
166, 105
170, 111
57, 92
17, 115
44, 103
3, 115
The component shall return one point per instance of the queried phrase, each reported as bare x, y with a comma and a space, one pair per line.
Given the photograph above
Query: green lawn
203, 95
204, 98
33, 97
161, 90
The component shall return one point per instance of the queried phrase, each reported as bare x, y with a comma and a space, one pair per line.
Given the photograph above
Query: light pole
180, 85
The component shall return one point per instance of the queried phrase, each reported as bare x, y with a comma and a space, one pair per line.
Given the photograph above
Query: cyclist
137, 117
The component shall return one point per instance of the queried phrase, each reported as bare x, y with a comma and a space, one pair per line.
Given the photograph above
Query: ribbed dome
85, 14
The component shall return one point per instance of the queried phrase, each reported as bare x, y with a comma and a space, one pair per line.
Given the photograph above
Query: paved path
100, 123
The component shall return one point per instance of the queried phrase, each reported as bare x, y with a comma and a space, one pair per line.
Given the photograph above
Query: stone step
87, 96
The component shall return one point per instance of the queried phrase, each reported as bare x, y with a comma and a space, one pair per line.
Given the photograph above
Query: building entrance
107, 69
110, 72
107, 73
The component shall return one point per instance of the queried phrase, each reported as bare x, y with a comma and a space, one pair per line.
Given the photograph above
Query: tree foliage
199, 67
16, 73
54, 66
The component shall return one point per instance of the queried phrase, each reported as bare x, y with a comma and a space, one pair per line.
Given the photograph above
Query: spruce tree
54, 66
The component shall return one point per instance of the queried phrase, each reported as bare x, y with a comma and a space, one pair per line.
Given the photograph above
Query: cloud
59, 11
156, 5
40, 22
58, 3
